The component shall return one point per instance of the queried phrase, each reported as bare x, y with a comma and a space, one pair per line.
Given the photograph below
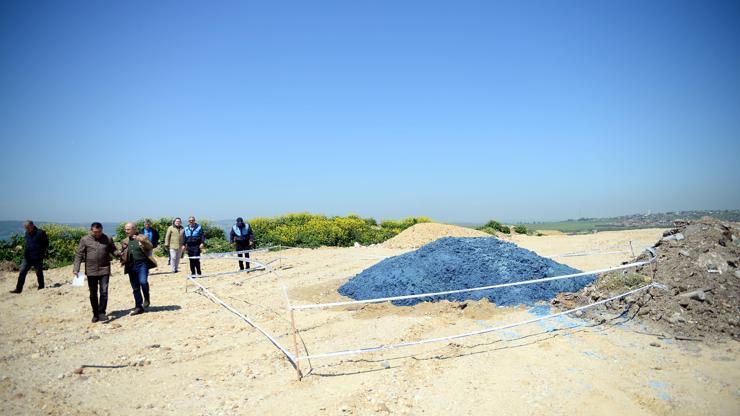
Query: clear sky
462, 111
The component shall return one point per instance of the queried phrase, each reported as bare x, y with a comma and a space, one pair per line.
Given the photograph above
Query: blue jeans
139, 278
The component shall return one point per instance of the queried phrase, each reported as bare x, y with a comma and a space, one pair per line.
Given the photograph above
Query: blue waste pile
459, 263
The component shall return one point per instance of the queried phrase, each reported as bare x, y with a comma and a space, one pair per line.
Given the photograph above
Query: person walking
96, 249
174, 239
195, 240
137, 261
37, 247
242, 237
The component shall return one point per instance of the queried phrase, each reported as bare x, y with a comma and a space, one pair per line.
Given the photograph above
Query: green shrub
218, 245
492, 227
12, 250
310, 230
63, 242
520, 229
211, 230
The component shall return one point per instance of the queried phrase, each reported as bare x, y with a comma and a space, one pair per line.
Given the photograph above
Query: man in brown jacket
137, 260
95, 250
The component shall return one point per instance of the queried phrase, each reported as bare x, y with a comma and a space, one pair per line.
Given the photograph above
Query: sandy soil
420, 234
624, 242
190, 356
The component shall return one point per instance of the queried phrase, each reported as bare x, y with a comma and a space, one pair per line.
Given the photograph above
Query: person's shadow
115, 315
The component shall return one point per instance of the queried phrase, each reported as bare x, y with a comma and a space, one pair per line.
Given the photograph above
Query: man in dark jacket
241, 235
37, 246
95, 250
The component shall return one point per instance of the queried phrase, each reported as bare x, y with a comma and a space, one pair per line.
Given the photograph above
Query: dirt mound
698, 263
424, 233
8, 266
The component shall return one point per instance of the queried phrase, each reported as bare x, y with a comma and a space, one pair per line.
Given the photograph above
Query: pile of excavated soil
424, 233
459, 263
698, 263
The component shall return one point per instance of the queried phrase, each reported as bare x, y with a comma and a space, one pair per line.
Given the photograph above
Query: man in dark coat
37, 246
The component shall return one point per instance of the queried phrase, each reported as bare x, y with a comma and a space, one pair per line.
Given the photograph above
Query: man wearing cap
242, 237
195, 240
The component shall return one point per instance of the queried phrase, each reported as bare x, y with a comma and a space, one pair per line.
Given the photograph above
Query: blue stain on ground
659, 387
594, 355
457, 263
509, 334
504, 334
556, 323
587, 386
540, 310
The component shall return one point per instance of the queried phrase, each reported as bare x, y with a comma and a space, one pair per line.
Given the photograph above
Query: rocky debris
676, 237
700, 272
140, 362
699, 294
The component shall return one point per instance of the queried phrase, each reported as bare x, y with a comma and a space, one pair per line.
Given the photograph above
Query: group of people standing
136, 255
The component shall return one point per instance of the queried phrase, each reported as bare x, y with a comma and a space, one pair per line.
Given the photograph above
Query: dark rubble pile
698, 263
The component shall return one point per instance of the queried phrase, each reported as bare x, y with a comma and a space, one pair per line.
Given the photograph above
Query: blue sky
462, 111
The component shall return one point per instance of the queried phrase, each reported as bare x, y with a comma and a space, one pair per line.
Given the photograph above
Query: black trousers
25, 268
95, 283
241, 247
195, 266
194, 250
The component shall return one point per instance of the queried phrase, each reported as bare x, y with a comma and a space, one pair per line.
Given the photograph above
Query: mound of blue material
460, 263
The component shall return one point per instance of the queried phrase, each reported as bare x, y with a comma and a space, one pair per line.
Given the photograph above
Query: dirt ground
190, 356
